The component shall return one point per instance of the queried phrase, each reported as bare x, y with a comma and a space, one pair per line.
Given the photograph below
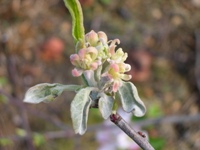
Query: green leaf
3, 99
105, 105
130, 100
3, 81
75, 10
157, 142
5, 142
80, 109
21, 132
106, 2
154, 111
46, 92
38, 139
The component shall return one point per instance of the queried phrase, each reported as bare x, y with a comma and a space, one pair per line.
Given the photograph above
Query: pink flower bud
115, 67
82, 53
91, 38
76, 72
103, 36
94, 66
74, 58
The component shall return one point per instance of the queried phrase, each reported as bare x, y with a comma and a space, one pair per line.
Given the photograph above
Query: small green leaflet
80, 109
46, 92
130, 100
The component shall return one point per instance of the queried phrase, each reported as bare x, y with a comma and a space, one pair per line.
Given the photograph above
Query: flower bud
92, 52
82, 53
76, 72
91, 38
74, 58
115, 67
94, 66
102, 36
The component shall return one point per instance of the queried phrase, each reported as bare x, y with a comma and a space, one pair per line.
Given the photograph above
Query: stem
136, 136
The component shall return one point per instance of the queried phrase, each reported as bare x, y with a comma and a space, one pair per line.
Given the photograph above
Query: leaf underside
105, 105
130, 100
46, 92
80, 109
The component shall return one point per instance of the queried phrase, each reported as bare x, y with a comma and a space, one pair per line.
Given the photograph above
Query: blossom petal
92, 51
103, 36
115, 67
74, 58
115, 41
124, 56
82, 53
94, 66
127, 67
77, 72
126, 77
91, 38
112, 50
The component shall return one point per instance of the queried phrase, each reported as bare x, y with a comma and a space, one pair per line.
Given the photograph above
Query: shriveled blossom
99, 52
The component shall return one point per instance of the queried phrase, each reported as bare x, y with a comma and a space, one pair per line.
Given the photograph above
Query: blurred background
163, 42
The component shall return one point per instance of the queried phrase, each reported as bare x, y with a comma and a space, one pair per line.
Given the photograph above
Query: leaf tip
139, 111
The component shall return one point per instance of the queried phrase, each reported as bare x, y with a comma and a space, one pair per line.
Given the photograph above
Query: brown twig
136, 136
122, 124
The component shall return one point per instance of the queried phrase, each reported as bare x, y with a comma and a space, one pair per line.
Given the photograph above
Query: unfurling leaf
130, 100
75, 10
89, 76
105, 105
80, 109
46, 92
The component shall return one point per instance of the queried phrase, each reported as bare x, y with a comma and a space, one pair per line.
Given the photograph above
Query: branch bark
138, 137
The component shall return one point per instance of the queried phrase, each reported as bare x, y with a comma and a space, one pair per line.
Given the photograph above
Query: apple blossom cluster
97, 53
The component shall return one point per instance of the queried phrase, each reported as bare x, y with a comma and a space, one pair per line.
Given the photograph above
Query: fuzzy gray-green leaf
89, 76
130, 100
105, 105
80, 109
46, 92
